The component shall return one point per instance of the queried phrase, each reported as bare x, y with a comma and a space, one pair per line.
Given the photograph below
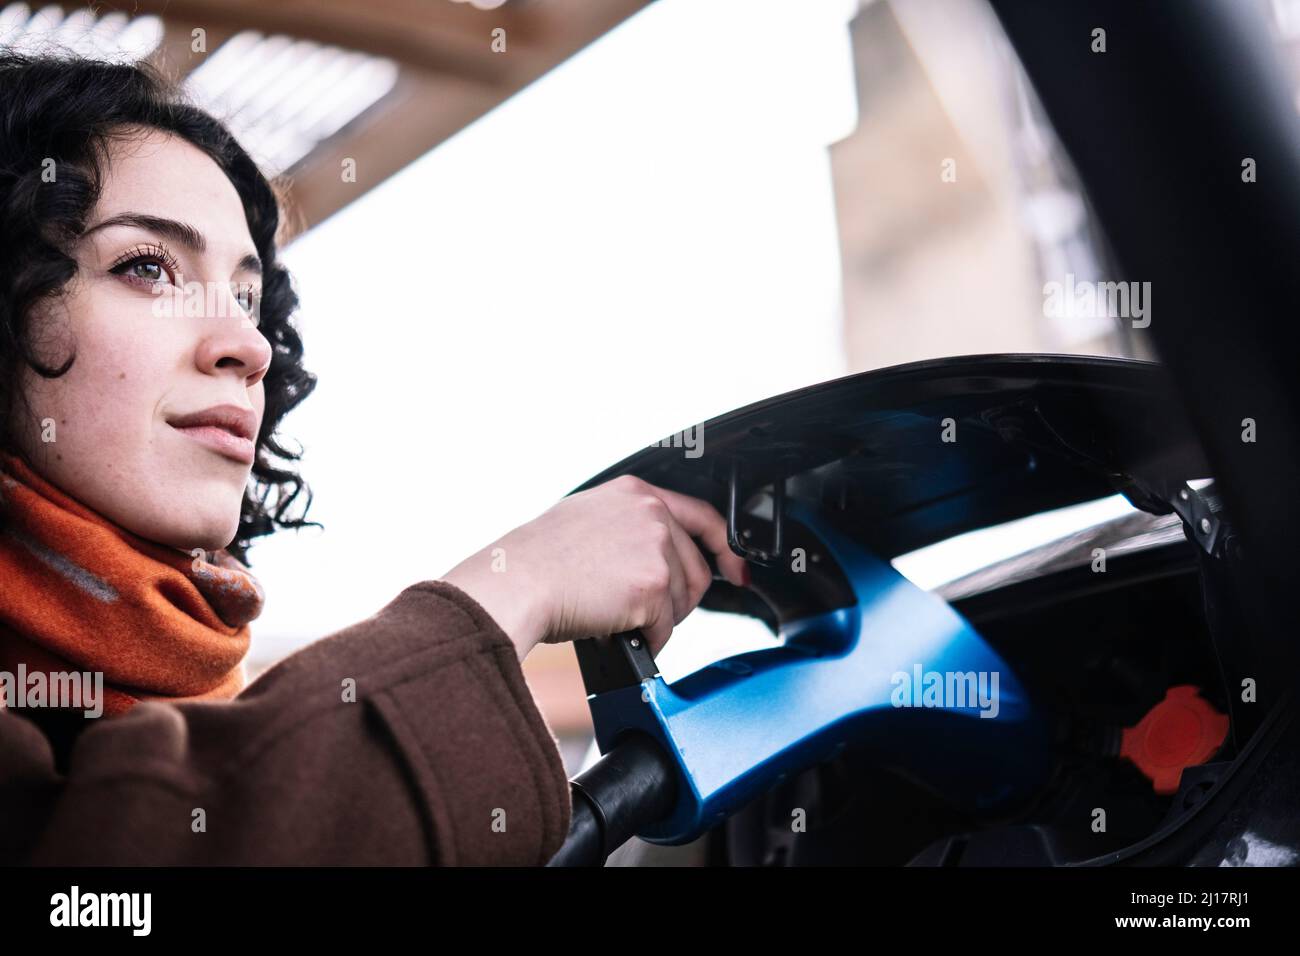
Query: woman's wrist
509, 598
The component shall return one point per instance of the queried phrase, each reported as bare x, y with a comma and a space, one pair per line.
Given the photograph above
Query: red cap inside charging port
1181, 731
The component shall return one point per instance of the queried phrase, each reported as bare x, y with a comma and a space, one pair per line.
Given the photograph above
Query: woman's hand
614, 558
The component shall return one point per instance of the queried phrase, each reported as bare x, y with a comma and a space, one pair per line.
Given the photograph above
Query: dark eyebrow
175, 230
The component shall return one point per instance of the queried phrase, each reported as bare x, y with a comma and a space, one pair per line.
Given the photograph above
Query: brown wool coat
442, 759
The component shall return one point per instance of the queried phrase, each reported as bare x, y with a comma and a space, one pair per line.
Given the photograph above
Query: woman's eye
146, 270
154, 270
249, 299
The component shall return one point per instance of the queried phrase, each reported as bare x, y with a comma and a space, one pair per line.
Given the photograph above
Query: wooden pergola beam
435, 35
450, 74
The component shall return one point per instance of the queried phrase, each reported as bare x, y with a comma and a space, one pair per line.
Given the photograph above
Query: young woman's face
148, 353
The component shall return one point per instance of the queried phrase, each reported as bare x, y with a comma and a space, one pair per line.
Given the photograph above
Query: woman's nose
233, 340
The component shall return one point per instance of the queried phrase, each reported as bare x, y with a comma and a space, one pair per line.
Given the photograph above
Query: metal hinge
1194, 509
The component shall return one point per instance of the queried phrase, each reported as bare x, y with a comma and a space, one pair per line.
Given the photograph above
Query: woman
147, 355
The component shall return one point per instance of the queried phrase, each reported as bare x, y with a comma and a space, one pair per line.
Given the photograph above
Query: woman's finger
695, 569
679, 588
659, 625
703, 521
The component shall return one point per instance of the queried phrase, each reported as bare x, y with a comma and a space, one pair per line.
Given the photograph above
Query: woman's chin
203, 511
191, 535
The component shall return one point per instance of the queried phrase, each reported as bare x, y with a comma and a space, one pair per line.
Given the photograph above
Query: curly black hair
66, 108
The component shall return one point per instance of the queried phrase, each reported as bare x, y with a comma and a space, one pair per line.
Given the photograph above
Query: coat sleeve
408, 738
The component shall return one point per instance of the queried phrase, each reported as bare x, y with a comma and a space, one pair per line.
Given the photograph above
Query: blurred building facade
955, 203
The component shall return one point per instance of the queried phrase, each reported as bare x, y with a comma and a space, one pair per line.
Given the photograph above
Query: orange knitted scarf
80, 593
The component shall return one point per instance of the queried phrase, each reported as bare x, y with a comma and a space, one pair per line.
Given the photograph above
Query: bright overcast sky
642, 239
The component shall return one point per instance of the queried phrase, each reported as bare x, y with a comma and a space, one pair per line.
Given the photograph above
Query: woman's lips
221, 441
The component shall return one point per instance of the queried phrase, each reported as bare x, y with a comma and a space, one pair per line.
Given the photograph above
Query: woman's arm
407, 738
618, 557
